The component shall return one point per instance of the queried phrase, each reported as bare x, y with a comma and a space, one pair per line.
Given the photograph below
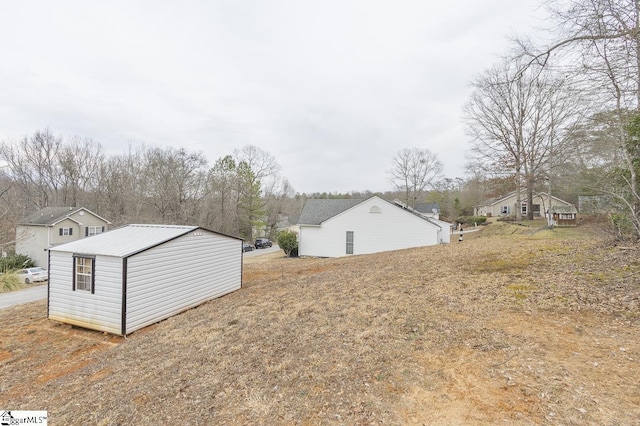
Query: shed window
84, 273
65, 231
349, 242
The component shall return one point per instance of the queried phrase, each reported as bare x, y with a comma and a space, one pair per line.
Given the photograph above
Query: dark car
263, 243
246, 247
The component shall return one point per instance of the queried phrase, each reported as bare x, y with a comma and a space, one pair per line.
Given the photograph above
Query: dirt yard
507, 327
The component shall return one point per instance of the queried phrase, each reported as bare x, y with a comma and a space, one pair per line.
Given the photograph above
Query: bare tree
34, 166
515, 118
413, 170
80, 159
219, 212
119, 191
174, 183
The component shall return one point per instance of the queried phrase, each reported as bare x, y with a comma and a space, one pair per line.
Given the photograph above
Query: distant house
55, 225
507, 205
431, 210
137, 275
342, 227
564, 215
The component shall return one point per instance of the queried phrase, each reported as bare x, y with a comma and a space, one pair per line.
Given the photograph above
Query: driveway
20, 297
258, 252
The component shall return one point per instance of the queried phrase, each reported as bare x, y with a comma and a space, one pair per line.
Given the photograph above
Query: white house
341, 227
51, 226
137, 275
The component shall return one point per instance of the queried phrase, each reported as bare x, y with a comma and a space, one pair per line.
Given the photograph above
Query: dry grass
507, 327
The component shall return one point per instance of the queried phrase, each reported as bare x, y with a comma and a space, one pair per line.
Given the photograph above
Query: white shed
341, 227
137, 275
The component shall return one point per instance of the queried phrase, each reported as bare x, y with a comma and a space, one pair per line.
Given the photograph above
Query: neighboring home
431, 210
137, 275
341, 227
564, 215
506, 205
288, 223
55, 225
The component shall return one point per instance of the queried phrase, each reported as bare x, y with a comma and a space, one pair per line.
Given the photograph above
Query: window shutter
73, 275
93, 276
102, 230
70, 231
86, 231
60, 231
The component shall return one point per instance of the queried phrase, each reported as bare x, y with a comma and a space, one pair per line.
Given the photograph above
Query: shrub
288, 241
9, 282
472, 220
15, 262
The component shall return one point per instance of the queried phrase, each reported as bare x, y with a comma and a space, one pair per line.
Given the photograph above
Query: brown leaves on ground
506, 328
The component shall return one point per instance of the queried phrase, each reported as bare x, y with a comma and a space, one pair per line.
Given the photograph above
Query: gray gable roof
564, 209
53, 215
316, 211
427, 208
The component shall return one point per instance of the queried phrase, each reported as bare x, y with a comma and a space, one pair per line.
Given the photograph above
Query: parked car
32, 275
263, 243
246, 247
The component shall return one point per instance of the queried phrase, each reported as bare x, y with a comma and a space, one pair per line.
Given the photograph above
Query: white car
33, 275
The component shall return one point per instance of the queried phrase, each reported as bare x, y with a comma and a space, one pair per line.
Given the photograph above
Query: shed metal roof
126, 241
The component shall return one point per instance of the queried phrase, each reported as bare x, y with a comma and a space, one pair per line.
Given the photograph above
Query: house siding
101, 310
389, 229
32, 241
180, 274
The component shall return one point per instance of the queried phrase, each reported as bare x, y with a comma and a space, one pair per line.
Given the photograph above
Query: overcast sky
332, 89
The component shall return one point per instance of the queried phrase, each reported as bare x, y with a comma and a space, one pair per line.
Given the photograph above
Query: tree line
240, 193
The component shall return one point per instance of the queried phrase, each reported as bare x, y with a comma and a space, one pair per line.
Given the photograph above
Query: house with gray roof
507, 205
51, 226
342, 227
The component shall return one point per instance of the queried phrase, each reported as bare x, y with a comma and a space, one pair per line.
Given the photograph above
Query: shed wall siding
99, 311
390, 229
181, 274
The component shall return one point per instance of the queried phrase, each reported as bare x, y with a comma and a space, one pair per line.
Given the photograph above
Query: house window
505, 210
524, 207
536, 210
375, 209
65, 231
93, 230
84, 273
349, 242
